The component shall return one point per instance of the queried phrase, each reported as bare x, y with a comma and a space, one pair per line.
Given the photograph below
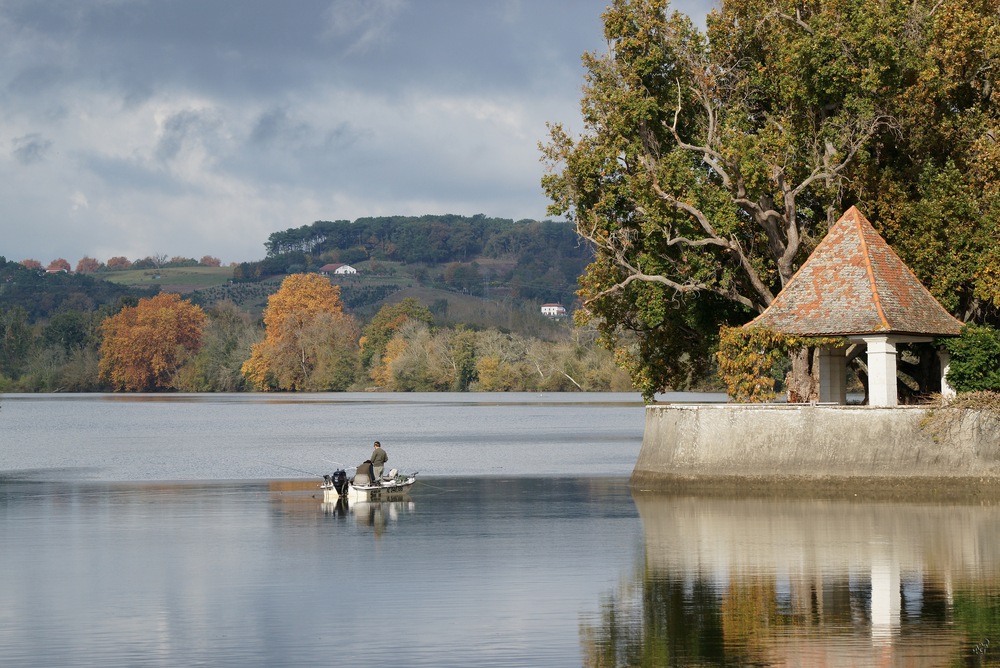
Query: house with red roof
337, 269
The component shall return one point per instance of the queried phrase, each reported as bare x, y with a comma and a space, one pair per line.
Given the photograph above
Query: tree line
306, 342
89, 265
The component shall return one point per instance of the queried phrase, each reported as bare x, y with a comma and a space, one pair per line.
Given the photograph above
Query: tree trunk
802, 382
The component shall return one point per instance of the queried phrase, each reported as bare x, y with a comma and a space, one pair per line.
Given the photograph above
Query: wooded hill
528, 260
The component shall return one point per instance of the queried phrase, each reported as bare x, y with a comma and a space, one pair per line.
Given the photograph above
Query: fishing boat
362, 487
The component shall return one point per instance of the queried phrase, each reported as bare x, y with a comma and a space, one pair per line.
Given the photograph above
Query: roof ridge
871, 270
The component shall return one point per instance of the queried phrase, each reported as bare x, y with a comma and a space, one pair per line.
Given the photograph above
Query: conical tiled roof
852, 284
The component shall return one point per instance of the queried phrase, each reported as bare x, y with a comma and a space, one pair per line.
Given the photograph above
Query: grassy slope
180, 279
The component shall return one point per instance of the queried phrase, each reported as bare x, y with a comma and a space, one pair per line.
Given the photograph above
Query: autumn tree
146, 345
118, 263
384, 326
59, 264
31, 264
310, 343
87, 265
712, 163
209, 261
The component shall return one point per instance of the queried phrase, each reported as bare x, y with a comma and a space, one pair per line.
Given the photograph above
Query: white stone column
833, 375
881, 371
947, 391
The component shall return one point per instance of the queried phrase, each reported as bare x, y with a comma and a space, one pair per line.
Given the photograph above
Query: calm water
188, 530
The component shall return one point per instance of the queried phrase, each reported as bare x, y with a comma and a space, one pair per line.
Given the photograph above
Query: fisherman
378, 458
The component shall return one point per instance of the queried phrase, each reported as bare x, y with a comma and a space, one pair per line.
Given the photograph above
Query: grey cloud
275, 125
30, 148
123, 175
182, 127
363, 25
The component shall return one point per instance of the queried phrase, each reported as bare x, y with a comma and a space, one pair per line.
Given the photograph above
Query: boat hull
382, 492
389, 489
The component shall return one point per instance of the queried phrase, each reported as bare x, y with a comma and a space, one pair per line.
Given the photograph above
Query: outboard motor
339, 481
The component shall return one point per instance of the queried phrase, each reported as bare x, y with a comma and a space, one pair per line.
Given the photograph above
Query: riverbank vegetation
305, 342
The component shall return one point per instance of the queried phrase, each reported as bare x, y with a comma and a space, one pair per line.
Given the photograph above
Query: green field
172, 279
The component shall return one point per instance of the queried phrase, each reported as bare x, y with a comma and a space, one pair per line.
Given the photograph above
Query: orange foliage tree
145, 345
310, 343
87, 265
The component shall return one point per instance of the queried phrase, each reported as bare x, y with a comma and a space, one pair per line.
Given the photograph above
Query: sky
199, 127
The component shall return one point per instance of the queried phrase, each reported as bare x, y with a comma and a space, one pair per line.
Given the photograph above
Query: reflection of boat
361, 487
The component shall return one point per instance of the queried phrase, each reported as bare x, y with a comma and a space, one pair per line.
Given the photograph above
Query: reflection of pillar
833, 375
881, 371
947, 391
885, 597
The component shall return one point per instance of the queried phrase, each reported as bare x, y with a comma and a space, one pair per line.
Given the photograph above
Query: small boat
361, 487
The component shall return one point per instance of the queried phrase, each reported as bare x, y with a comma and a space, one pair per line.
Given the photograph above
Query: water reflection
793, 582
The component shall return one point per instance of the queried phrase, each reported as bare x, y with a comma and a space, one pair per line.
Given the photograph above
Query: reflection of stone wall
809, 582
809, 443
728, 540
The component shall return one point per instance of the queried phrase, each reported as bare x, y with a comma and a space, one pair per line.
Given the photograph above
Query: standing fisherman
379, 458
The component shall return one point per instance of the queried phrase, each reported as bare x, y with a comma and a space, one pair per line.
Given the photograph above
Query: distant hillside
42, 294
526, 260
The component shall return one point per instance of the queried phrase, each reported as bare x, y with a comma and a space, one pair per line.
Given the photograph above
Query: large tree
712, 163
310, 344
144, 346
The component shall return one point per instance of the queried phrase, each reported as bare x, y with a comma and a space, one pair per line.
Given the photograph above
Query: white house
337, 269
553, 310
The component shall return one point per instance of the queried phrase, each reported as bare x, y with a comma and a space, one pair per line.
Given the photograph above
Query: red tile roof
853, 283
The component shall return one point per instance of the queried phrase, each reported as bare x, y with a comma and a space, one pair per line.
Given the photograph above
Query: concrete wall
779, 444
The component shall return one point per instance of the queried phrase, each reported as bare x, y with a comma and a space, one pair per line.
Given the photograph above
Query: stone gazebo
855, 287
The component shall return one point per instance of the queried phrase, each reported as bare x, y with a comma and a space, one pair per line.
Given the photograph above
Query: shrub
975, 359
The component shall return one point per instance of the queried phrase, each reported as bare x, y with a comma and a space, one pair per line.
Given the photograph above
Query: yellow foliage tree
145, 345
310, 343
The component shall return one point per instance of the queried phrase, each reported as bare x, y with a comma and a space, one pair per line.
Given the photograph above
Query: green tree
16, 341
226, 343
712, 163
70, 330
975, 362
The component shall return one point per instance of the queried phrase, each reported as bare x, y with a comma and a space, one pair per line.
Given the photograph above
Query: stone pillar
833, 375
947, 391
881, 371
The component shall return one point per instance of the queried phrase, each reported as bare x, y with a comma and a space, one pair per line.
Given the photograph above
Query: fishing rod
340, 464
320, 475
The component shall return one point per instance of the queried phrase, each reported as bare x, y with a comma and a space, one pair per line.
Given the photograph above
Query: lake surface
186, 530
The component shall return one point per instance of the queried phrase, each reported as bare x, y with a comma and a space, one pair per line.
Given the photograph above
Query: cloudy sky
198, 127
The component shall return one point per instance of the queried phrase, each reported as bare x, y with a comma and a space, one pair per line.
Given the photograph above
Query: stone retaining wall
805, 444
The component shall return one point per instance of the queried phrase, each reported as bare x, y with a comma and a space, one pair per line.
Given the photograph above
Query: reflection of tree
682, 619
744, 607
678, 621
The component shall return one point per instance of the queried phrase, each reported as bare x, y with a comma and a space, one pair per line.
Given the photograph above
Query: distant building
553, 310
337, 269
